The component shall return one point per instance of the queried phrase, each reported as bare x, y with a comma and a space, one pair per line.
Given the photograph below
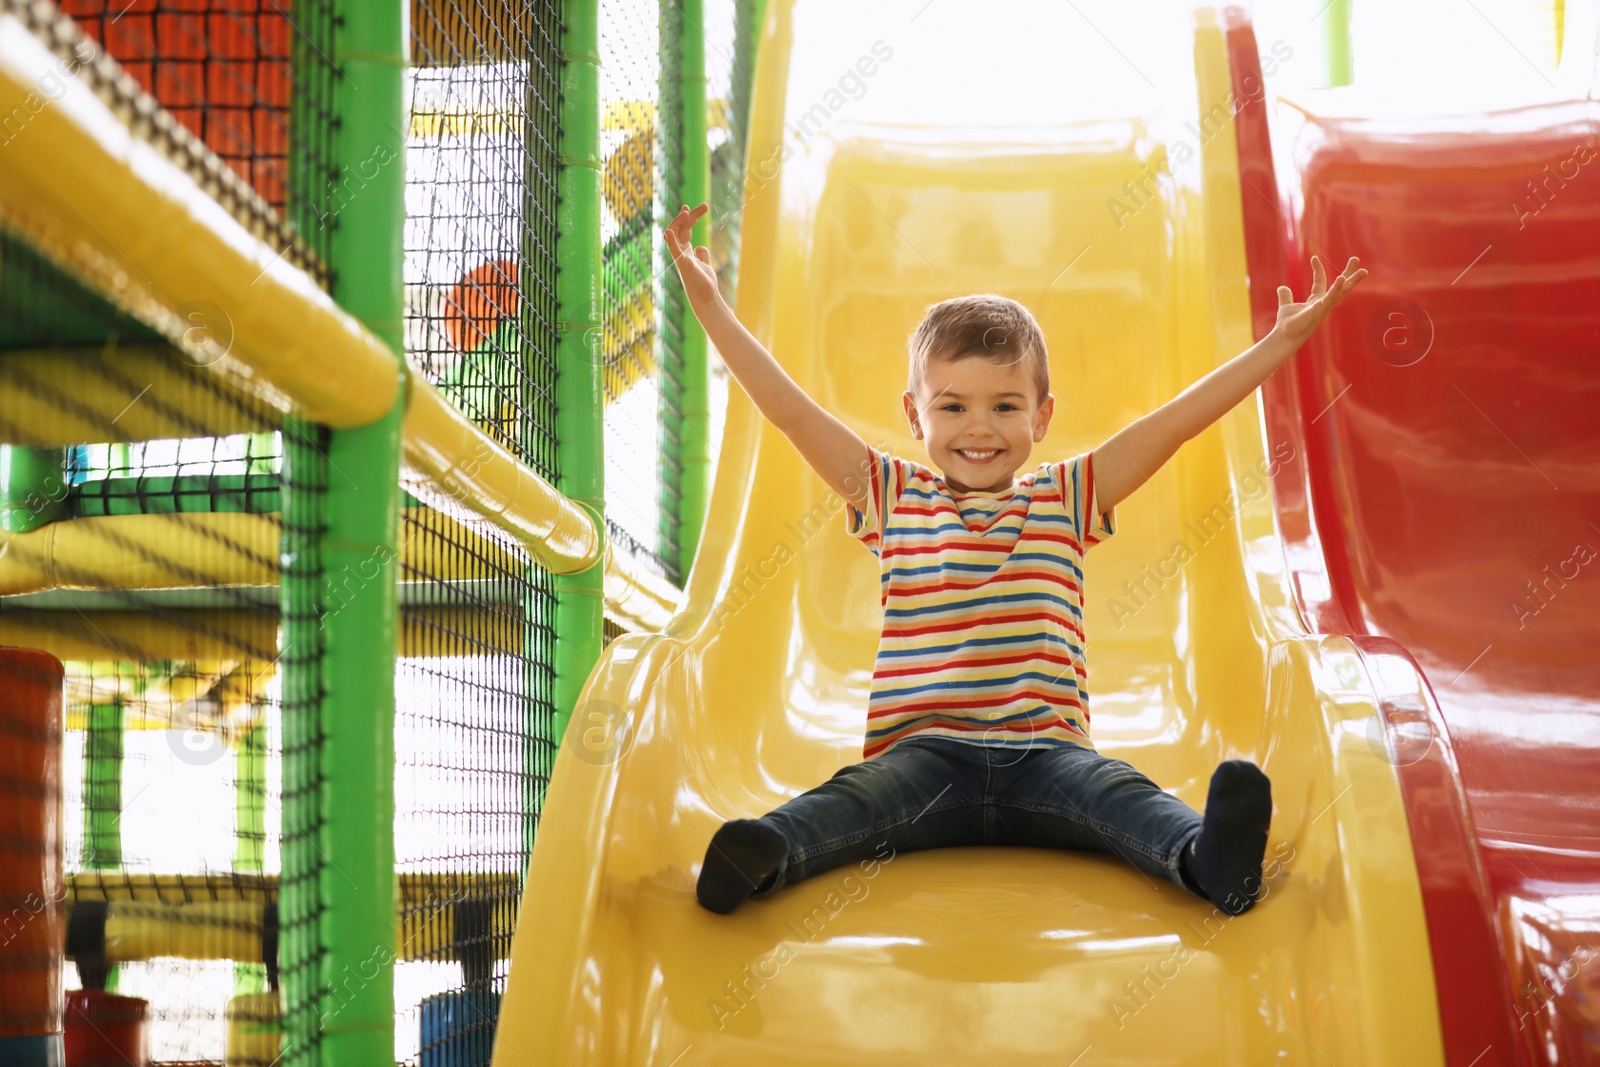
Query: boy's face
980, 421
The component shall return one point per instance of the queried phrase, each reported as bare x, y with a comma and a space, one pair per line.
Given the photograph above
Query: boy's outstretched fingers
1353, 273
1300, 320
1225, 859
1346, 281
677, 231
695, 268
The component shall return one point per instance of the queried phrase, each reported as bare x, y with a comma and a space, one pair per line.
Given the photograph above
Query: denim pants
934, 792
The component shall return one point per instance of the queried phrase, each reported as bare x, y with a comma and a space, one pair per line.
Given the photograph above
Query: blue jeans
934, 792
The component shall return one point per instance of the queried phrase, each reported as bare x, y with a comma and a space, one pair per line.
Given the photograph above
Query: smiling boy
978, 720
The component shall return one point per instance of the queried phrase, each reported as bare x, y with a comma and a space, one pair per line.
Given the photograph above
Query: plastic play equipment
757, 689
1442, 495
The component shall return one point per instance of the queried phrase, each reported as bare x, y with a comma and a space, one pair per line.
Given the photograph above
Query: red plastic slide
1445, 502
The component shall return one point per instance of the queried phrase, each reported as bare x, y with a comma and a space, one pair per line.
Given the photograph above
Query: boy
977, 726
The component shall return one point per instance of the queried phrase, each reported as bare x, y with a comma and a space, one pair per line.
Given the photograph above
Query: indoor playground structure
394, 602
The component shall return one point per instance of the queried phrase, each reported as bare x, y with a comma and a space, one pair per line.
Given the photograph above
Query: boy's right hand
694, 262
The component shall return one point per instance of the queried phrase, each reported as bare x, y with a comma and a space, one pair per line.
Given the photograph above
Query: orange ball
485, 297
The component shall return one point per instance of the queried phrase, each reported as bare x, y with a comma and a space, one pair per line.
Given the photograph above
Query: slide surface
757, 690
1449, 501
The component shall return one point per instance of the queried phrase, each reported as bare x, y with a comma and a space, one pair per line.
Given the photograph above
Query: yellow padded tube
454, 467
82, 396
208, 549
145, 918
194, 930
142, 552
210, 633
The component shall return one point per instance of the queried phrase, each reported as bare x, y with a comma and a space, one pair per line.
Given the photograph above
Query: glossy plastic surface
1446, 497
758, 689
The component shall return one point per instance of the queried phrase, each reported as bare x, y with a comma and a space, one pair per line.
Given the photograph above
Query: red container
105, 1030
32, 912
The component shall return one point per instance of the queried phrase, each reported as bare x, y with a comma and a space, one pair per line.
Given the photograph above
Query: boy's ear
1042, 420
909, 402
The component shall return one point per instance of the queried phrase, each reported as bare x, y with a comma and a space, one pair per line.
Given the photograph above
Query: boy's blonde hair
983, 324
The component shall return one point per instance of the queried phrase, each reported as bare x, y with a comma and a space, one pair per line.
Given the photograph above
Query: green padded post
359, 553
102, 795
1338, 66
250, 830
687, 420
302, 476
300, 658
341, 518
102, 788
580, 403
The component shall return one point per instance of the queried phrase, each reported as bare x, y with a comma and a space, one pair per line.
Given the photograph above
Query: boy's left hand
1299, 321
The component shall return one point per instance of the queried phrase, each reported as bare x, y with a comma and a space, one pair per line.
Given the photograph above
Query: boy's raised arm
1133, 454
837, 453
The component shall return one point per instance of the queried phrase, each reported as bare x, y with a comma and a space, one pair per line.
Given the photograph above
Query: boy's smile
980, 421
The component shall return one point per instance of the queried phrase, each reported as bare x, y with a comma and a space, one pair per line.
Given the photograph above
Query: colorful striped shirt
982, 605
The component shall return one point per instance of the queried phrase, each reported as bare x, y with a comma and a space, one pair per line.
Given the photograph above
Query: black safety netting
474, 711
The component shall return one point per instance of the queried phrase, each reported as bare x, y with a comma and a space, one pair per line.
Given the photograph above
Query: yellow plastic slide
757, 690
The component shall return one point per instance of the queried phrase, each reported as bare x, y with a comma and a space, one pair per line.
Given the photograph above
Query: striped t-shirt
982, 605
